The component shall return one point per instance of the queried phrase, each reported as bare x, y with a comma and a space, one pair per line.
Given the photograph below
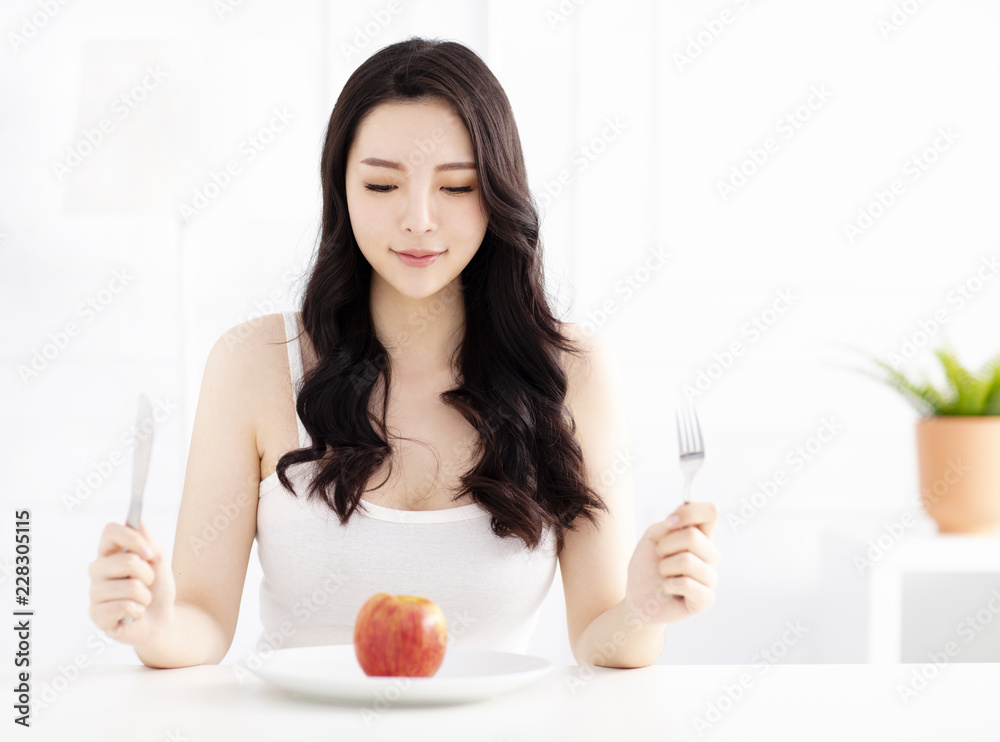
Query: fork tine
689, 439
697, 430
690, 445
685, 432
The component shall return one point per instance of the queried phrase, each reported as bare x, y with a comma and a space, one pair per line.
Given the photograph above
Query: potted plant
958, 443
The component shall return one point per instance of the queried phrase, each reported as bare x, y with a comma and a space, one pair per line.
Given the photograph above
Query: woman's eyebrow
376, 162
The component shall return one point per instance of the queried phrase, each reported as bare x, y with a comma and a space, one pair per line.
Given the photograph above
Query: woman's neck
421, 335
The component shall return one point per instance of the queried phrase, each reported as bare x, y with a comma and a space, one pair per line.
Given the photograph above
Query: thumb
154, 545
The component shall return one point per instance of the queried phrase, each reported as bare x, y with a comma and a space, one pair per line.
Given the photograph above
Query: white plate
333, 673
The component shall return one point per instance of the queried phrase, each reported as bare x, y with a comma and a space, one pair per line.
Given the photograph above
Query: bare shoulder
595, 385
253, 350
248, 368
260, 334
253, 356
594, 365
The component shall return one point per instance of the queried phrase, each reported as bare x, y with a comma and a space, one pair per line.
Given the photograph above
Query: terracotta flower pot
959, 461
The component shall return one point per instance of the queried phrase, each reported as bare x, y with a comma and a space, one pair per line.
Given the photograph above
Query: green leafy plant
965, 393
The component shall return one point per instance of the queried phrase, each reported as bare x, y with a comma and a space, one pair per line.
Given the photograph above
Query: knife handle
133, 521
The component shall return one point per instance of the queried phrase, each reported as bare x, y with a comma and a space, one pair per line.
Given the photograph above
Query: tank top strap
295, 369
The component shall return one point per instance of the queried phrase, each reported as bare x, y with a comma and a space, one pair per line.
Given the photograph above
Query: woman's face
412, 187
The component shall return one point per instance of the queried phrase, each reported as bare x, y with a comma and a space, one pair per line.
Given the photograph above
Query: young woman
424, 426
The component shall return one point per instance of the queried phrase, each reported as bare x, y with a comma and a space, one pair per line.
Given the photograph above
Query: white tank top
318, 573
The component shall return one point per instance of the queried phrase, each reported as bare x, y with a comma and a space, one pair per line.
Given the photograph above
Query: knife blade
140, 465
140, 461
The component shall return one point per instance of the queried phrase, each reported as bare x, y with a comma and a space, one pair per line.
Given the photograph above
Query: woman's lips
415, 262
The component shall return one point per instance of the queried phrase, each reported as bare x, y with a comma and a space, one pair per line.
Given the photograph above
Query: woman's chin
417, 288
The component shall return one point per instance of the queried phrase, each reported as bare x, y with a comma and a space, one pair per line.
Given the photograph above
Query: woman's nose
419, 216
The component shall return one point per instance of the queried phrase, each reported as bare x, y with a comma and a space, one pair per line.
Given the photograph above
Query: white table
779, 702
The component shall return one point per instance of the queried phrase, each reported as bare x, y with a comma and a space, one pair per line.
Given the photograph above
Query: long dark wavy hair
530, 472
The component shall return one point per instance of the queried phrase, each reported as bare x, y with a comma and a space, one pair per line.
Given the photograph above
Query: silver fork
690, 445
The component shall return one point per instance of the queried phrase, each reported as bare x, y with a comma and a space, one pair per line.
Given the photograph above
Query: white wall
569, 69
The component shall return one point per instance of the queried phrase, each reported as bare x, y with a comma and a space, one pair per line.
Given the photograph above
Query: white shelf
944, 553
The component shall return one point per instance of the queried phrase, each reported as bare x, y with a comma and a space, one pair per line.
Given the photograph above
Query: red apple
400, 635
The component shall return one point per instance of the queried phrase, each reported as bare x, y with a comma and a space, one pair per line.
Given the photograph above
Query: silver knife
140, 465
140, 461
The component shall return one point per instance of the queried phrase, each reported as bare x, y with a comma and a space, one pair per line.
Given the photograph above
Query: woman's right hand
131, 579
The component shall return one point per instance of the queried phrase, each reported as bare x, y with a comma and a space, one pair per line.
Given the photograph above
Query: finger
704, 515
122, 564
701, 514
689, 539
697, 595
125, 589
108, 616
687, 564
661, 528
117, 537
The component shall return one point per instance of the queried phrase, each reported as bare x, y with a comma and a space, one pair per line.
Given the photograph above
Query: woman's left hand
672, 573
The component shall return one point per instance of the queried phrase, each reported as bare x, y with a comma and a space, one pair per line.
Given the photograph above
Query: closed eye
387, 188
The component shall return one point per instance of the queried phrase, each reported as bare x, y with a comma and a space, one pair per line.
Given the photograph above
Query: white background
568, 70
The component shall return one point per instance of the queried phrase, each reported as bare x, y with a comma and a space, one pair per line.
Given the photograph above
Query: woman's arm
193, 637
621, 594
594, 561
218, 512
